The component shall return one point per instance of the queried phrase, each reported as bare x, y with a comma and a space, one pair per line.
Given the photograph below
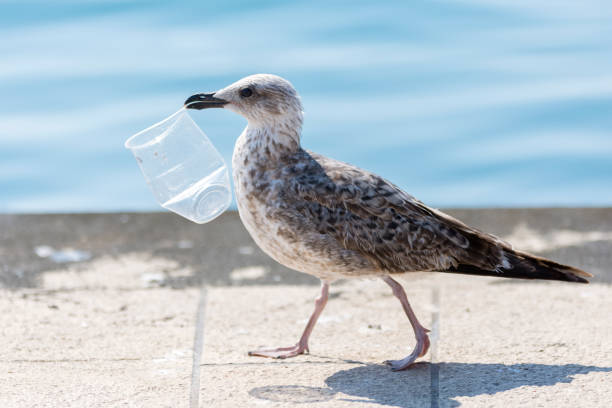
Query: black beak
203, 101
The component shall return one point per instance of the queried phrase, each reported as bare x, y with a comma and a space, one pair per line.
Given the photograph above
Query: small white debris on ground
152, 279
246, 250
62, 255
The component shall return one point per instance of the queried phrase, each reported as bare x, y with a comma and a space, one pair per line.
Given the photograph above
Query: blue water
461, 103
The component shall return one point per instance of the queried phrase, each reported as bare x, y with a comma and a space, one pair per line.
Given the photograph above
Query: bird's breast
280, 223
258, 197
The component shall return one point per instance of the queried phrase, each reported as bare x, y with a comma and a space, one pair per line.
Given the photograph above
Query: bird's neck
269, 142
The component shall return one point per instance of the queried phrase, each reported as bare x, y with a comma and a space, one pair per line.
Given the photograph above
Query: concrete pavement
117, 309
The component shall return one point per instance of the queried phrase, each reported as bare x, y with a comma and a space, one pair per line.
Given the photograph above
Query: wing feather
367, 214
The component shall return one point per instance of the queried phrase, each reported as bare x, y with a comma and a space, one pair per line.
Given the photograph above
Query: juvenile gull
333, 220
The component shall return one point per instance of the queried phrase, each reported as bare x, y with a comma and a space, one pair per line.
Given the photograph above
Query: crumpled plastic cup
182, 167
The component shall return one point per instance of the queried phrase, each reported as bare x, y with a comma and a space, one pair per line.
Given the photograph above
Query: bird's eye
246, 92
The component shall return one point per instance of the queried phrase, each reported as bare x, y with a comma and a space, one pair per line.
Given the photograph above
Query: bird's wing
368, 214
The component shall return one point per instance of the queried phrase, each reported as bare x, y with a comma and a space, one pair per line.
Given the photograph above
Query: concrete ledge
108, 310
579, 236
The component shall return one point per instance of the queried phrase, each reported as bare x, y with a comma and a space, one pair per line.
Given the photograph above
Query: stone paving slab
362, 326
514, 343
97, 337
499, 344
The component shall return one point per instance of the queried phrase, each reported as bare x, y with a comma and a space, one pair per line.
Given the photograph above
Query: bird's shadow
435, 385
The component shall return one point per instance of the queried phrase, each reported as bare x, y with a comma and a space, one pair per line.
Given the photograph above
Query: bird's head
263, 99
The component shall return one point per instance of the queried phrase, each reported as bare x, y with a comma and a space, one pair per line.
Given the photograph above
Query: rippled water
462, 103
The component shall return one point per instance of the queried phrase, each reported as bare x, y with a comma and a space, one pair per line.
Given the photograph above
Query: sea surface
461, 103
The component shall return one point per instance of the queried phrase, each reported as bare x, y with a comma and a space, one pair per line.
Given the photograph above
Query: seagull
332, 220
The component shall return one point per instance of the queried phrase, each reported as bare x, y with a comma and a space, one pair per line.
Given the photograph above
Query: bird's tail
526, 266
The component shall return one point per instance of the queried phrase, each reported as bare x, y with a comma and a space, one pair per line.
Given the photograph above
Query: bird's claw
399, 365
420, 350
280, 352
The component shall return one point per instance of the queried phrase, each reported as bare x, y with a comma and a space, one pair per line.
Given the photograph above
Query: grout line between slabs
434, 385
198, 345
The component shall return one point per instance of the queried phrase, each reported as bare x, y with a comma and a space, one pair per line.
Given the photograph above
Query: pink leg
302, 345
419, 331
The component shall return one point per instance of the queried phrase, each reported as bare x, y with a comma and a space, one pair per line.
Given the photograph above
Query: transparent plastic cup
183, 169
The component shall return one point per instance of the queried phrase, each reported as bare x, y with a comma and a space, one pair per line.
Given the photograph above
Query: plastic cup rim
129, 144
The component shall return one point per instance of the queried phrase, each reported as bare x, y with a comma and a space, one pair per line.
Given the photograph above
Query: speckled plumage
334, 220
